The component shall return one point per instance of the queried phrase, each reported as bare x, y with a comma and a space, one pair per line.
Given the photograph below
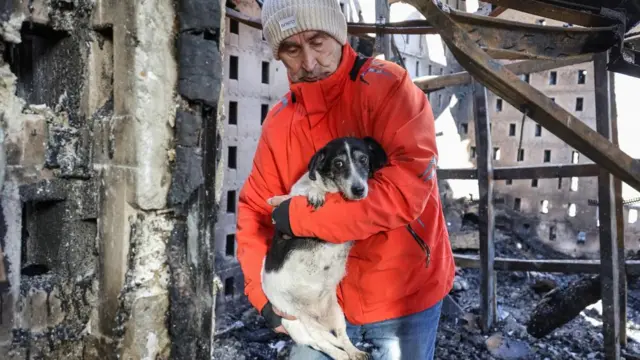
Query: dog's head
347, 163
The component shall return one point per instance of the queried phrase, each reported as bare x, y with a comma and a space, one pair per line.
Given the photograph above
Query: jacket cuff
272, 319
280, 218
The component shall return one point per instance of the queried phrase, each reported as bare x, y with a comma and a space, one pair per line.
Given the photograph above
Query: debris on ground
459, 334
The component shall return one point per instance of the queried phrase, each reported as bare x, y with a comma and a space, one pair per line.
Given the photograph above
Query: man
401, 265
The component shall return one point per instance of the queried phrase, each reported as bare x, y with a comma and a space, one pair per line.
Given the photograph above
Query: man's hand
280, 214
273, 317
283, 315
281, 329
277, 200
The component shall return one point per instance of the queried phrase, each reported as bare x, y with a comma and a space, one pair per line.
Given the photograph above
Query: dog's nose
357, 190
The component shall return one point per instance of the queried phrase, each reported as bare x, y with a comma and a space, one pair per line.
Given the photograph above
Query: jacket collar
318, 97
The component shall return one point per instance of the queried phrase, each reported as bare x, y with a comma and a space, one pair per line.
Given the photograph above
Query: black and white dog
300, 275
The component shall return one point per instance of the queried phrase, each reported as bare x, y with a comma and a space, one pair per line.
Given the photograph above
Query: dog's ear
377, 155
317, 161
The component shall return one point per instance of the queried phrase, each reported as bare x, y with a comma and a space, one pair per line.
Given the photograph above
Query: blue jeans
411, 337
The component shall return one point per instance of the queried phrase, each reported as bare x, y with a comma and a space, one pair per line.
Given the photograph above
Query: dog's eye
363, 159
339, 164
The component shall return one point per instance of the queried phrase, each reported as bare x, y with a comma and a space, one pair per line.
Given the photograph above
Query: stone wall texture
110, 116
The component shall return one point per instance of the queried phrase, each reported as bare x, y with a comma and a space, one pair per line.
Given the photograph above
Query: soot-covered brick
188, 128
200, 68
199, 14
187, 175
60, 226
184, 302
50, 68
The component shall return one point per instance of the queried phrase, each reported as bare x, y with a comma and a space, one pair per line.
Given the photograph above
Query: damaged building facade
560, 212
110, 113
253, 83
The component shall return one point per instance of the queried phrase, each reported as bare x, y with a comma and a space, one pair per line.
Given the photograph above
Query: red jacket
402, 261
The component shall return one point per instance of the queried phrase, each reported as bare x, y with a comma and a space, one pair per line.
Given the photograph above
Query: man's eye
292, 51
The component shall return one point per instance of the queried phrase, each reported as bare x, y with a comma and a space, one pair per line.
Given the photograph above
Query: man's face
310, 56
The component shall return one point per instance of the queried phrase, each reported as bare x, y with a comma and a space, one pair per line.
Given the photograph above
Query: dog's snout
357, 190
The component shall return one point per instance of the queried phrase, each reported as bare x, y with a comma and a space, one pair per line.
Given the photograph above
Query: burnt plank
485, 208
433, 83
383, 41
619, 222
523, 96
561, 305
609, 259
531, 39
526, 172
551, 11
564, 266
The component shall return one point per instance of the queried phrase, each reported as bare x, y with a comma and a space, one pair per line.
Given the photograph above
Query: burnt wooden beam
523, 96
533, 40
525, 172
561, 305
563, 266
485, 208
411, 27
383, 41
560, 13
432, 83
457, 174
608, 229
624, 61
619, 205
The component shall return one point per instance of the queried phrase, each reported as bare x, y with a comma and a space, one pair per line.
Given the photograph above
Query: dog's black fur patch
323, 163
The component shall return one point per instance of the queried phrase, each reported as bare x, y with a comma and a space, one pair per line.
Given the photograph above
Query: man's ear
377, 155
317, 161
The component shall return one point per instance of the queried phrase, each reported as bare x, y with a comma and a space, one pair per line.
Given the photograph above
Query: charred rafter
583, 16
433, 83
534, 41
502, 39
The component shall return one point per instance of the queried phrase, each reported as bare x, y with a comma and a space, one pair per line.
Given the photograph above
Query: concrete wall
248, 95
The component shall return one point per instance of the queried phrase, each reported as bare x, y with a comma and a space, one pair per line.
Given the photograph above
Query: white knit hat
284, 18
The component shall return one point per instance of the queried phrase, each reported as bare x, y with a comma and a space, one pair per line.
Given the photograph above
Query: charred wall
198, 174
110, 131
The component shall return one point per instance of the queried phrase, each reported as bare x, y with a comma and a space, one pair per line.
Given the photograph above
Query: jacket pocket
423, 245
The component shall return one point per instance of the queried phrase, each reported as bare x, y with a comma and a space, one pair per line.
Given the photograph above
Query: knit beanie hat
284, 18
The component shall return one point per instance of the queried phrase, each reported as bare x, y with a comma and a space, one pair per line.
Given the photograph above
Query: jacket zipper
423, 245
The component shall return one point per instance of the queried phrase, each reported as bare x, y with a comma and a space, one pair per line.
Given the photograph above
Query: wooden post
383, 42
619, 219
609, 258
485, 207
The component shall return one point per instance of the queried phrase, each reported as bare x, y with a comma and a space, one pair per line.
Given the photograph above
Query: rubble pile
241, 333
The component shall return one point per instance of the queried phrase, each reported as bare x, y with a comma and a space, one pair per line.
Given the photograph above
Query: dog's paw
360, 355
316, 198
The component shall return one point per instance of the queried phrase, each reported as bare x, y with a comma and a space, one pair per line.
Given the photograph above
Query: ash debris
241, 333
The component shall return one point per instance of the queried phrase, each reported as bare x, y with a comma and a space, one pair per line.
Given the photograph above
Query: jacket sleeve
254, 226
402, 122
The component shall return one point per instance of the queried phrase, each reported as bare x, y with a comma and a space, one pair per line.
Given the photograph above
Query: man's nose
309, 62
